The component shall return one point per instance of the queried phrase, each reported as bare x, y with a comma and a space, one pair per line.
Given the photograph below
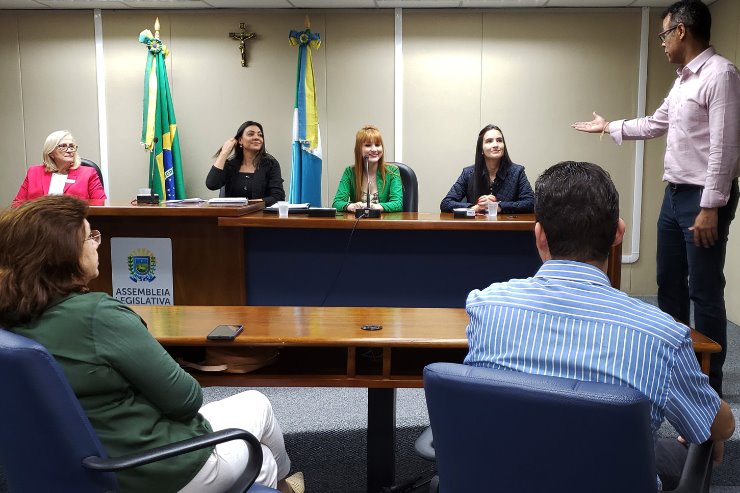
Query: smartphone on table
225, 332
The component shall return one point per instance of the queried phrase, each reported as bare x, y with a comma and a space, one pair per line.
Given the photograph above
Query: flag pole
160, 133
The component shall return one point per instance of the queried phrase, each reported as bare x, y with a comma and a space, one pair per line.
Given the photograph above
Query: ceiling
320, 4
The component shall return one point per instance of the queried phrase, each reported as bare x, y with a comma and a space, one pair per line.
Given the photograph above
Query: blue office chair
499, 430
47, 441
410, 187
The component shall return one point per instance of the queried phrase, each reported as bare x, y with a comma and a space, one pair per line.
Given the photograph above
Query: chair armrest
165, 452
697, 471
424, 445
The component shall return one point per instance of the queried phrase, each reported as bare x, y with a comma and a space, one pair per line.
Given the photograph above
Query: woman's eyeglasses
95, 236
67, 147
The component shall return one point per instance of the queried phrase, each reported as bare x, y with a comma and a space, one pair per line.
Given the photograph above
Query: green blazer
135, 395
390, 191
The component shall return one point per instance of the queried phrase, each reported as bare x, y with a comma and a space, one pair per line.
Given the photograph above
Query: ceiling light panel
334, 4
83, 4
589, 3
498, 4
251, 4
21, 4
418, 4
166, 4
656, 3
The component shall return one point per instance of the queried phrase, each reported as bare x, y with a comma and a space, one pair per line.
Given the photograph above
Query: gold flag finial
307, 23
156, 27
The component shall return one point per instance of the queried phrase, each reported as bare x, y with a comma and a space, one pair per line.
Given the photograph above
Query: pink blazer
82, 182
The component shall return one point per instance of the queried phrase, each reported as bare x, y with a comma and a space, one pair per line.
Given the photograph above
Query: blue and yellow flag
305, 179
159, 130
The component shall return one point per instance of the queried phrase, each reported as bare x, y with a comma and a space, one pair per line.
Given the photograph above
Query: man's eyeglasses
95, 236
67, 147
663, 35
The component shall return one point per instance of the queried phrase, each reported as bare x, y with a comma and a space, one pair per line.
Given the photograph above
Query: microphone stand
367, 211
152, 198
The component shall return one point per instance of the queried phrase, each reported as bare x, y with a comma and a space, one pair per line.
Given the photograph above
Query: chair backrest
499, 430
410, 187
92, 164
46, 433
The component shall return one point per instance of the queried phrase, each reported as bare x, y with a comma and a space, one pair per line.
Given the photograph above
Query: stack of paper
183, 201
274, 207
228, 201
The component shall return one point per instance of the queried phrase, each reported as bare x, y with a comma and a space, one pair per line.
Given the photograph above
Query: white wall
531, 71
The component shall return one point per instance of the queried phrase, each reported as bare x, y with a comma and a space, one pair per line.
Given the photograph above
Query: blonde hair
52, 141
368, 133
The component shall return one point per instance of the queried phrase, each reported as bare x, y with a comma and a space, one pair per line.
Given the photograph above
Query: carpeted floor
325, 431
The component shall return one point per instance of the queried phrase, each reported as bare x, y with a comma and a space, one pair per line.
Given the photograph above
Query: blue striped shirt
567, 321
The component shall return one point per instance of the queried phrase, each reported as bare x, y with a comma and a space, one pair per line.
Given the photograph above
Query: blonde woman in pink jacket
60, 173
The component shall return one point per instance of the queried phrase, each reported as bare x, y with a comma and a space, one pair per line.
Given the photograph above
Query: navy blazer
514, 196
267, 182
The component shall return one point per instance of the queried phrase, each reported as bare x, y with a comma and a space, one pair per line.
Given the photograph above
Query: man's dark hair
577, 205
694, 15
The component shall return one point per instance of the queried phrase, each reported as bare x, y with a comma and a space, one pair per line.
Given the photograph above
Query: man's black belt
683, 186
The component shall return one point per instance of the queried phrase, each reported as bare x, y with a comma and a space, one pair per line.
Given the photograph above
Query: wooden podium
207, 260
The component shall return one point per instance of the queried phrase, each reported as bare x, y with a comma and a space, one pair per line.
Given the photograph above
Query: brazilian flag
159, 133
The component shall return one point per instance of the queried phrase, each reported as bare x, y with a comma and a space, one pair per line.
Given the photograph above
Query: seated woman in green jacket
386, 190
134, 394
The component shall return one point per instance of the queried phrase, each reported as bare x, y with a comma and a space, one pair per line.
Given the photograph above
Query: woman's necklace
247, 165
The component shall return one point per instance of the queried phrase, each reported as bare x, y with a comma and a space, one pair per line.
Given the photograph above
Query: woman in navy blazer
493, 178
245, 168
60, 158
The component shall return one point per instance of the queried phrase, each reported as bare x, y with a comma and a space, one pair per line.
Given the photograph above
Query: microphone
151, 164
367, 177
367, 211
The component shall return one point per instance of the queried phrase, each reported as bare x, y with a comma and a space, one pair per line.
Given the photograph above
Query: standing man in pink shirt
701, 117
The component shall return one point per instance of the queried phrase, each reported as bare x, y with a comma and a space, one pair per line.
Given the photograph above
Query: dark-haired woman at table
492, 178
245, 169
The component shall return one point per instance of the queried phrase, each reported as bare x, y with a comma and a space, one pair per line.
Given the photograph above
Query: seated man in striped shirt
567, 321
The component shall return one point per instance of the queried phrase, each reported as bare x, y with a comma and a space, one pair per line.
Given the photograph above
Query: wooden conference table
326, 347
241, 255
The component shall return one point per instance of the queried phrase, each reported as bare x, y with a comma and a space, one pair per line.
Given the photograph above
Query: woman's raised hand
228, 147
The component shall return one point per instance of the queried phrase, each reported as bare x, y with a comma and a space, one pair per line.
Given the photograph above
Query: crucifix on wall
242, 37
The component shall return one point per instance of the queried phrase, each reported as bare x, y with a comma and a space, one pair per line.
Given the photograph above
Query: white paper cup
282, 209
492, 209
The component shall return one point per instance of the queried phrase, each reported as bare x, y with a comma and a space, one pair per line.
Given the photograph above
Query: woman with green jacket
386, 190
